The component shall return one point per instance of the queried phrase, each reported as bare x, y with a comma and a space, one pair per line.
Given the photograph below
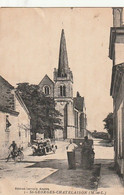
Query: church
73, 110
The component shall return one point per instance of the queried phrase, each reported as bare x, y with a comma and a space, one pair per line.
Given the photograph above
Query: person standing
87, 154
71, 154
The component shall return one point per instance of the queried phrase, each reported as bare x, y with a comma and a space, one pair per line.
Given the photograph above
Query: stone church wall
70, 125
69, 90
46, 82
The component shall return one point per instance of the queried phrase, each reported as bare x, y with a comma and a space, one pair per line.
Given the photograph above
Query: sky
29, 49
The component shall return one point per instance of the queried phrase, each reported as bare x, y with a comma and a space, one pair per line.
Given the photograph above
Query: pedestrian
71, 154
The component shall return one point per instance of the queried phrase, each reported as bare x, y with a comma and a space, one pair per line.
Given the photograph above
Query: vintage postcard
62, 101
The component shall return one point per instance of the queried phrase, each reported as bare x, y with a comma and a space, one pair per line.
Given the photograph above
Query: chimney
117, 17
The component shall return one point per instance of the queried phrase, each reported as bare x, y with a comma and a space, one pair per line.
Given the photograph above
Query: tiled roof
78, 103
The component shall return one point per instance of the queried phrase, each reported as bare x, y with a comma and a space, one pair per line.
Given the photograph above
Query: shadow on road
63, 176
49, 163
28, 161
74, 178
104, 161
104, 143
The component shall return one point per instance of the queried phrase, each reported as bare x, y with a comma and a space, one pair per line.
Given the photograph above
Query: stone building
61, 89
14, 118
116, 54
80, 117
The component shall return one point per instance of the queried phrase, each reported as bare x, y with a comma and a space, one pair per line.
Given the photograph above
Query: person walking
71, 154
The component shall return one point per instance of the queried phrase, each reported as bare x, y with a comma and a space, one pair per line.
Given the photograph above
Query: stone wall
117, 17
119, 55
60, 106
69, 88
83, 124
47, 82
119, 123
23, 124
70, 132
7, 136
19, 131
71, 121
12, 110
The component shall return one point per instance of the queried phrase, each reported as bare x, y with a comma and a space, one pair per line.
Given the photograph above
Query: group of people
87, 154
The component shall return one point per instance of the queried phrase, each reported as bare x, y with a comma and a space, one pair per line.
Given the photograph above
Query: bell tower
63, 77
63, 90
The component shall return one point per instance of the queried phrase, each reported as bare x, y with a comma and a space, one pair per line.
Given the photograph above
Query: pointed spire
63, 58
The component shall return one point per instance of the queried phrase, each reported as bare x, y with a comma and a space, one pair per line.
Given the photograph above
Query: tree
44, 117
109, 124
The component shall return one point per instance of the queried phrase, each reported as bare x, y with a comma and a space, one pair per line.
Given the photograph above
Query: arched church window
46, 90
63, 90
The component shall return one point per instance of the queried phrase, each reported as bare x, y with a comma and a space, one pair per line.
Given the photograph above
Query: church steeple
63, 76
63, 58
63, 73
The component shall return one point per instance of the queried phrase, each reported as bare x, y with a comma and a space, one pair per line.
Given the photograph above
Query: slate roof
22, 102
63, 58
78, 103
46, 77
6, 110
6, 82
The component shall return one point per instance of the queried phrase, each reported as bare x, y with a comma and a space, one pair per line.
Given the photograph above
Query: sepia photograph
62, 100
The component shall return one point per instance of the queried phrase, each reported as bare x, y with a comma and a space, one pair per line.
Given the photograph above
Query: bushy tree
108, 124
44, 117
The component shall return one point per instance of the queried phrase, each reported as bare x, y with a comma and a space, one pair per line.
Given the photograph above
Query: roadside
109, 180
51, 171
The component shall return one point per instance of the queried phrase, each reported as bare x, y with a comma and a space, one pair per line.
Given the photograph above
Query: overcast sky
29, 49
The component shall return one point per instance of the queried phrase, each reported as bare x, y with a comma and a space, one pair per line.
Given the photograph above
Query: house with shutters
73, 110
14, 118
116, 54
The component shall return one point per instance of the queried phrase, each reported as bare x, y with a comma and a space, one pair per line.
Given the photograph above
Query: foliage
44, 117
108, 124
